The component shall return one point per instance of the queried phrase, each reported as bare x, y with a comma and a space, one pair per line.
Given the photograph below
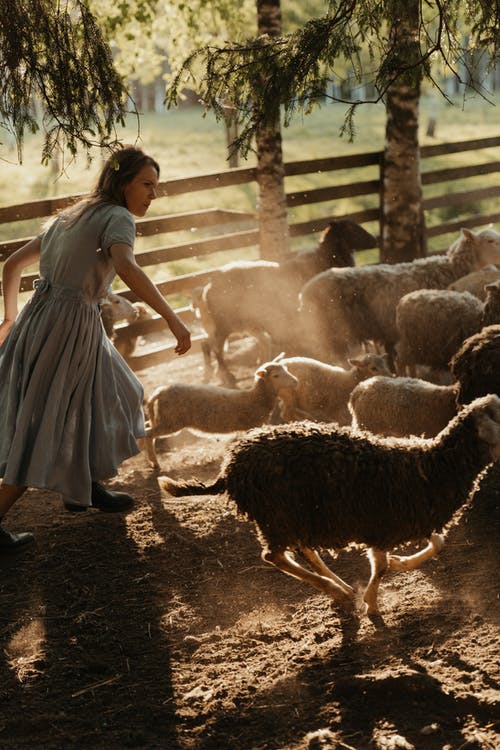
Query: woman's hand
182, 335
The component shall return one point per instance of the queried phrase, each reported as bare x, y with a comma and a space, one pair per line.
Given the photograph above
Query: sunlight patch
25, 650
261, 620
140, 528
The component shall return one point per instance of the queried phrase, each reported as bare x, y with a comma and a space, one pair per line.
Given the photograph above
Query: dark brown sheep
309, 487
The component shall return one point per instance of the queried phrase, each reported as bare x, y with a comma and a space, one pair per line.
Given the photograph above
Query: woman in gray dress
70, 407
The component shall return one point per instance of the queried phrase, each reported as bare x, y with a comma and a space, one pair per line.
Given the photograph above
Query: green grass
186, 143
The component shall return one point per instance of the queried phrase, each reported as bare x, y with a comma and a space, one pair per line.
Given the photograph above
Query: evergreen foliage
54, 56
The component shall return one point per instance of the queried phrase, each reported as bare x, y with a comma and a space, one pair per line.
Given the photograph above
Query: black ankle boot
13, 542
104, 500
108, 501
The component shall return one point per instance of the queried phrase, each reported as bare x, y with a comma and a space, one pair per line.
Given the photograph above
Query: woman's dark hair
120, 169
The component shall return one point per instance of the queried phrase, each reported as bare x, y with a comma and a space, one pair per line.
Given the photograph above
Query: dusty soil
162, 629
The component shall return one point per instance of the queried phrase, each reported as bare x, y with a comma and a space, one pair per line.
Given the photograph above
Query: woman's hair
120, 169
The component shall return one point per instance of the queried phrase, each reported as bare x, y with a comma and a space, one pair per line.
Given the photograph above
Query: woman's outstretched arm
134, 277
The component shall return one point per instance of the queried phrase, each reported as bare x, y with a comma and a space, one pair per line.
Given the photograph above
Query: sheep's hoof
437, 541
396, 562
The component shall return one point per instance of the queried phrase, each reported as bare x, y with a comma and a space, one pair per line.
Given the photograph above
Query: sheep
476, 365
475, 281
115, 307
262, 296
411, 406
211, 408
125, 341
310, 486
345, 307
433, 323
402, 406
323, 390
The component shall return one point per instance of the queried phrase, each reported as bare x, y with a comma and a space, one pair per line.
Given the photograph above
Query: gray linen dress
70, 407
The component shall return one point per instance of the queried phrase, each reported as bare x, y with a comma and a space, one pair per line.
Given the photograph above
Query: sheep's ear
261, 372
279, 357
493, 286
467, 233
355, 362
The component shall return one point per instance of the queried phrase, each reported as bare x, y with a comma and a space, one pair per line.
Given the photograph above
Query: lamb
476, 365
124, 340
313, 486
402, 406
345, 307
262, 296
433, 323
476, 281
210, 408
115, 307
323, 390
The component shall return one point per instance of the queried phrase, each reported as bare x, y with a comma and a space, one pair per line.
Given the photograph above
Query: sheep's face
120, 307
488, 424
278, 375
487, 246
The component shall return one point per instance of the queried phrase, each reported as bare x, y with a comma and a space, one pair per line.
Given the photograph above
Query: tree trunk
272, 211
403, 225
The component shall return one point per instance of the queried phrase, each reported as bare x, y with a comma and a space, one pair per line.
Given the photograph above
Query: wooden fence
230, 231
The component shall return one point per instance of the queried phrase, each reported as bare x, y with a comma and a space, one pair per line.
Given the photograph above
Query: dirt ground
162, 629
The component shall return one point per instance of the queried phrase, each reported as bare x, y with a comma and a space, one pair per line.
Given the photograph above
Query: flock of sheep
374, 412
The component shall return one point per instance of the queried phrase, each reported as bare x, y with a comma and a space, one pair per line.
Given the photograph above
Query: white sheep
344, 307
475, 281
262, 297
211, 408
323, 390
402, 406
433, 323
311, 486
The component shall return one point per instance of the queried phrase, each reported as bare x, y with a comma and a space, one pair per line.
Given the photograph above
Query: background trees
54, 58
388, 45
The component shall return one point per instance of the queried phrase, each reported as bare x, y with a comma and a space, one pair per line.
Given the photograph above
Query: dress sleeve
120, 227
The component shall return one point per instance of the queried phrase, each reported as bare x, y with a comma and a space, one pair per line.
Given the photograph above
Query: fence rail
222, 229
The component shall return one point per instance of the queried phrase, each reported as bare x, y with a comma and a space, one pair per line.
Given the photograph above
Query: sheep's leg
223, 371
148, 445
317, 564
379, 565
208, 369
410, 562
285, 563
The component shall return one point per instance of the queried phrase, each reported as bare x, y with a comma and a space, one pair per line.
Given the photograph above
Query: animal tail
192, 487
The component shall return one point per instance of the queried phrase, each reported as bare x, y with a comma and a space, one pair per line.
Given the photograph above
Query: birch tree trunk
272, 210
403, 225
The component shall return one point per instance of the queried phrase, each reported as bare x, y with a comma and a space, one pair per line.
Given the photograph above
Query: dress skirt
70, 407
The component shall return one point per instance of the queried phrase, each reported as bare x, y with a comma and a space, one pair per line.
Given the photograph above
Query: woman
70, 407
